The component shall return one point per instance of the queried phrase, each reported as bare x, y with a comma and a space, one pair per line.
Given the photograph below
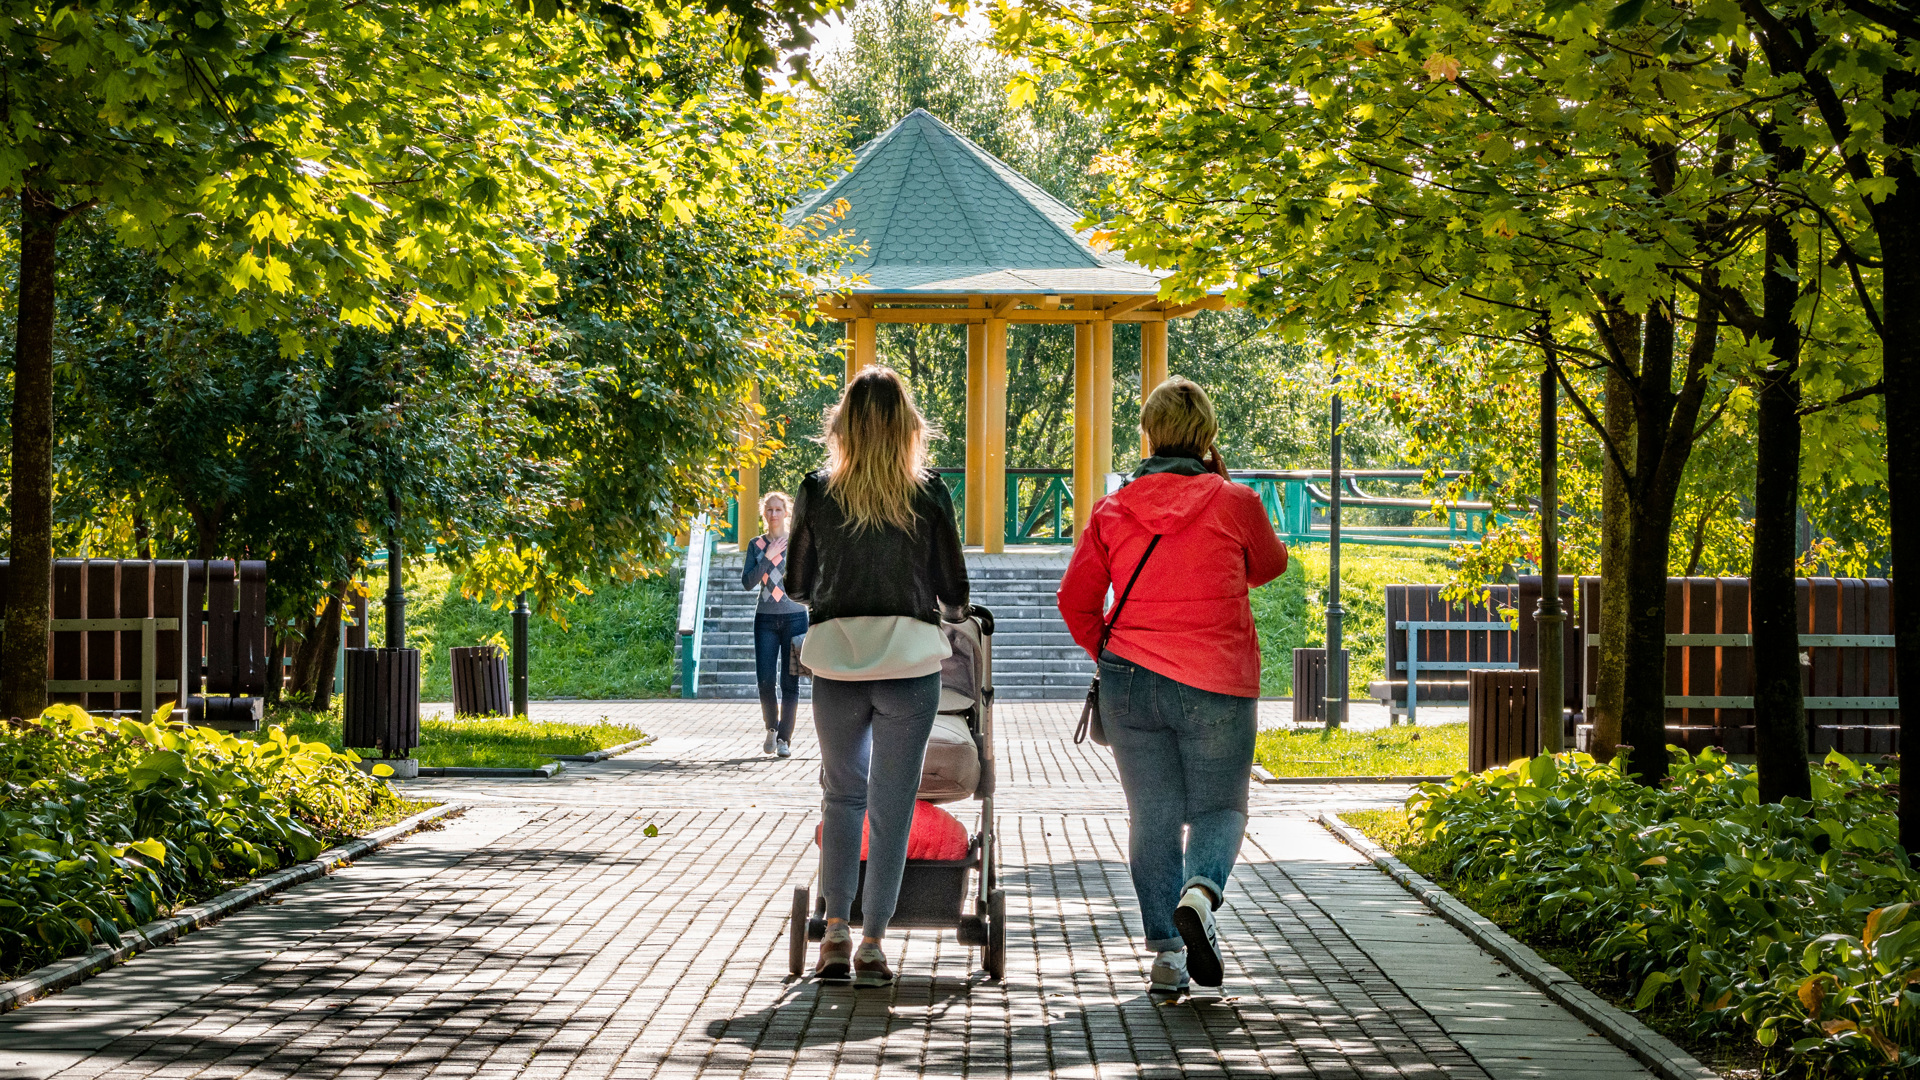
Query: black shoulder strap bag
1090, 713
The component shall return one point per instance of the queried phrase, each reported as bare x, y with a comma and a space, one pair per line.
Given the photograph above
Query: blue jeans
773, 636
1185, 757
873, 740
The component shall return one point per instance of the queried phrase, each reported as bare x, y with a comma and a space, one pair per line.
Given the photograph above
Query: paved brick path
544, 934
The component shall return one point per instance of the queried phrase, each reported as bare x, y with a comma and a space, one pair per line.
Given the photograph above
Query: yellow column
1153, 366
748, 492
976, 432
993, 440
1102, 405
860, 336
1085, 486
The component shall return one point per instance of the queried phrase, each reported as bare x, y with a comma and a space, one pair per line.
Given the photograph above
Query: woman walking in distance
778, 621
877, 560
1180, 675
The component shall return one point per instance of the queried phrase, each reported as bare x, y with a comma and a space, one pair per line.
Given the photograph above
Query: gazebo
953, 235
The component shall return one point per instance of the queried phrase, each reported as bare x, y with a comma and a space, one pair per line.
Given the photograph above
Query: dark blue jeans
1185, 757
773, 636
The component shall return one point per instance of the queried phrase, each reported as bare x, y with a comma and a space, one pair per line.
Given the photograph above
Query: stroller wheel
797, 932
997, 934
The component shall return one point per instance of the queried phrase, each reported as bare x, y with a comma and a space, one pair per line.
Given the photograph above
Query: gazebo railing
1040, 507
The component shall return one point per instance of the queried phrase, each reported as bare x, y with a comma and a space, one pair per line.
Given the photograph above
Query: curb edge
609, 752
1647, 1046
63, 973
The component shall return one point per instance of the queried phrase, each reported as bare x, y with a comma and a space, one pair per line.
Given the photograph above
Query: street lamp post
520, 614
1548, 615
1336, 656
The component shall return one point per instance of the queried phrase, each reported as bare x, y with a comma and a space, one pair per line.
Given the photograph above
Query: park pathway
545, 933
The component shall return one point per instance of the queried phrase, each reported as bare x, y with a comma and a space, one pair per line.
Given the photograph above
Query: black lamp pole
1336, 655
1549, 617
520, 614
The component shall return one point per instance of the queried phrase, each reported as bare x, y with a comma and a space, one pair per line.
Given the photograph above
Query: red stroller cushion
936, 835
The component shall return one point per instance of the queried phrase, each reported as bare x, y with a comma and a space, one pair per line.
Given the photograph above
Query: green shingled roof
940, 215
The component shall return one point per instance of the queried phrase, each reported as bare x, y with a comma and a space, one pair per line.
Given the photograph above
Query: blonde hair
1178, 416
783, 497
876, 450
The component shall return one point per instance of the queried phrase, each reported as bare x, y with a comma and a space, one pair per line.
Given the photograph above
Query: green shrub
1793, 922
108, 824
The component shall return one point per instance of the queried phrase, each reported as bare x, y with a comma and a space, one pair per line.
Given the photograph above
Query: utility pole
1548, 616
1336, 655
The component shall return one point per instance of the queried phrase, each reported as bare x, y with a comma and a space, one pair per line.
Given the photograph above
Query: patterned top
770, 577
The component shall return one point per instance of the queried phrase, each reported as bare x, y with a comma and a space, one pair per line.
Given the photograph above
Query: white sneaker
771, 738
1169, 974
782, 748
1194, 919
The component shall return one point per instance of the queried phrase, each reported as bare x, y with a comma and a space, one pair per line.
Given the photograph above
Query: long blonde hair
876, 450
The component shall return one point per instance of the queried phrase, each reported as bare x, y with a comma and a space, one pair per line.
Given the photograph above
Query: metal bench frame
1412, 665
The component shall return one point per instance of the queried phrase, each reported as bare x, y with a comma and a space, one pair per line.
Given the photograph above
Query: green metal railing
693, 604
1040, 507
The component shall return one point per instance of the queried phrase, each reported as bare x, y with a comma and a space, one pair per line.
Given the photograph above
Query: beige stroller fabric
952, 768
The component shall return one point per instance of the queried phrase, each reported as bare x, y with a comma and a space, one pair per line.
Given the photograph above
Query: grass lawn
478, 743
1291, 612
1434, 750
617, 643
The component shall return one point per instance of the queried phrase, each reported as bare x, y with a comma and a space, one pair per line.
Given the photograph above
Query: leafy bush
1794, 922
108, 824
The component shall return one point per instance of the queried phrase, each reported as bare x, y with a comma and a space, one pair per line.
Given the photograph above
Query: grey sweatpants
873, 740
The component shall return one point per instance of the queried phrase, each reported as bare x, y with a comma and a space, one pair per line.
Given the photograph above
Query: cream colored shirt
867, 648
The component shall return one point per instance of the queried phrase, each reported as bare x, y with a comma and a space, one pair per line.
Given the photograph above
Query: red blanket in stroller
936, 835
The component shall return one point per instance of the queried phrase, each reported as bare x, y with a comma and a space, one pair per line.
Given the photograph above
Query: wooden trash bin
1310, 687
480, 681
1503, 723
381, 704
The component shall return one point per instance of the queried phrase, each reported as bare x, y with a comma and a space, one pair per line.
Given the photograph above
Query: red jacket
1188, 618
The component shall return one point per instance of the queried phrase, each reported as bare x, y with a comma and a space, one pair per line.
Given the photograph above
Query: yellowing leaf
1657, 860
152, 849
1442, 67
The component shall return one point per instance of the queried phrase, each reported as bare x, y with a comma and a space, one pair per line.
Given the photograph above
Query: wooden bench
1432, 643
215, 672
1847, 674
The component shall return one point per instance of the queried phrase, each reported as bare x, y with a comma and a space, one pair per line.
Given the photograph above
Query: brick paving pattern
544, 933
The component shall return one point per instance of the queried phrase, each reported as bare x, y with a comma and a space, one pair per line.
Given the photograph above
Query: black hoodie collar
1175, 463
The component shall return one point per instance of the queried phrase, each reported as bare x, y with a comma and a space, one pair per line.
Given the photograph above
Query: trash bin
1310, 687
480, 681
381, 704
1503, 723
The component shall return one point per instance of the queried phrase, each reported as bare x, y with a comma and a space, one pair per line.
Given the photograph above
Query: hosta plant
1791, 921
107, 824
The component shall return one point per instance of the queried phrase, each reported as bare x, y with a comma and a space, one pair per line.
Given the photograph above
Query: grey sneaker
767, 748
870, 967
780, 747
1169, 974
1194, 919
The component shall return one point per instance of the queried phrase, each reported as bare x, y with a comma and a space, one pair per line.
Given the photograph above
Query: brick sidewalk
544, 934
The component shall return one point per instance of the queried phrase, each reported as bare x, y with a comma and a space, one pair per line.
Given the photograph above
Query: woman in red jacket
1180, 676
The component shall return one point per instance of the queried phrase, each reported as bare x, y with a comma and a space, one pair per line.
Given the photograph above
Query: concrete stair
1034, 658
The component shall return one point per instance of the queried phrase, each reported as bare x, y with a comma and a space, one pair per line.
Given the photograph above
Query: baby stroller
960, 764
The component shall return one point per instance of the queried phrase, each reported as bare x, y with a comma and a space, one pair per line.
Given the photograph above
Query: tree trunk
1664, 433
315, 659
1779, 710
23, 644
1899, 227
1616, 531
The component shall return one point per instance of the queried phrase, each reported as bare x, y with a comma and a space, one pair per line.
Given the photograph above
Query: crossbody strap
1107, 630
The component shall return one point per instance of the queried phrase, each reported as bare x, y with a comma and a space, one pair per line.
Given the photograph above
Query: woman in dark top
778, 621
877, 560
